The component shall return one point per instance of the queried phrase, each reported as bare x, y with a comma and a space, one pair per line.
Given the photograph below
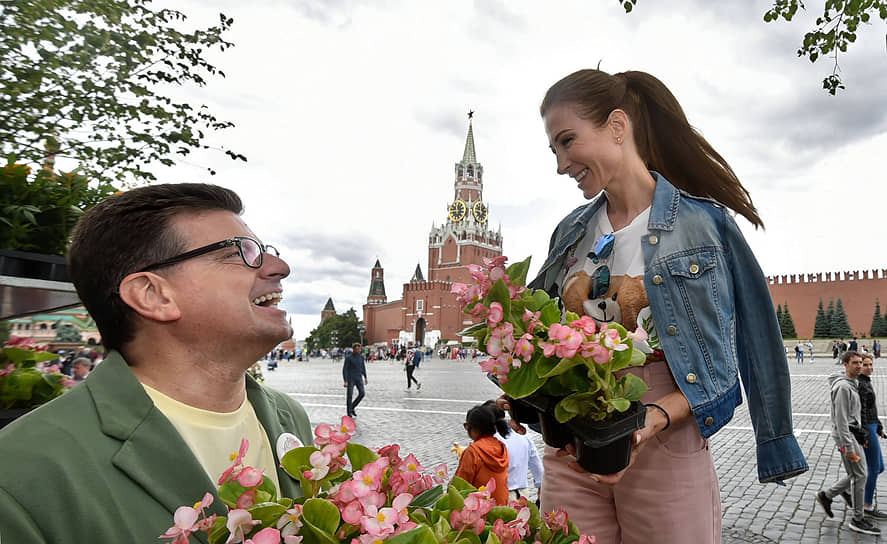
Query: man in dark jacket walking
874, 459
354, 372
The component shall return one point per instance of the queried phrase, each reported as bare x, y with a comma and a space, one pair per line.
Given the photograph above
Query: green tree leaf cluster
338, 331
66, 332
92, 75
835, 29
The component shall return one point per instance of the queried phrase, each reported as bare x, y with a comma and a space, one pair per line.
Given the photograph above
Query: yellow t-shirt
214, 436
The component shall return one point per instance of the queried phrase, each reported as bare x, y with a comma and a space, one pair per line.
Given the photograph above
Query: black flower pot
604, 447
554, 433
523, 412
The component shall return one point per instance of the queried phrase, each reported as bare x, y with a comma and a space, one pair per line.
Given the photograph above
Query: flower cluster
532, 347
384, 498
26, 378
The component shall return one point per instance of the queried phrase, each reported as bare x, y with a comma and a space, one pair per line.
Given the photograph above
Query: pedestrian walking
522, 458
849, 436
799, 353
354, 372
873, 457
414, 357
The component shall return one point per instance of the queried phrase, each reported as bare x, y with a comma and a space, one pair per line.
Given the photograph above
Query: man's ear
150, 295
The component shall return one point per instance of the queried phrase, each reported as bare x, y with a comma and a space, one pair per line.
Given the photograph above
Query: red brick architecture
858, 291
427, 312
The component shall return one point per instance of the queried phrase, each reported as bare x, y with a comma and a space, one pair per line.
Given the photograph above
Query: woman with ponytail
657, 247
486, 457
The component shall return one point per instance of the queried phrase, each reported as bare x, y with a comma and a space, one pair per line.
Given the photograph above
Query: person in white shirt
522, 457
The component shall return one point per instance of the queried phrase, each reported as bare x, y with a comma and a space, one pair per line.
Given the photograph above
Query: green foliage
879, 324
38, 212
91, 74
786, 323
5, 327
839, 326
835, 29
66, 332
338, 331
23, 384
821, 327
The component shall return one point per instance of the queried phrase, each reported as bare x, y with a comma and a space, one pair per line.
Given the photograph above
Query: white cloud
352, 115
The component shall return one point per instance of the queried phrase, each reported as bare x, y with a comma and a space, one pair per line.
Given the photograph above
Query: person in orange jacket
486, 457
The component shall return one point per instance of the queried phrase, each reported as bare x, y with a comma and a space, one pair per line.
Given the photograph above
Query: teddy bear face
622, 302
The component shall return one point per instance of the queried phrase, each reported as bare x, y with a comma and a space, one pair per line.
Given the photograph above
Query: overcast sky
352, 115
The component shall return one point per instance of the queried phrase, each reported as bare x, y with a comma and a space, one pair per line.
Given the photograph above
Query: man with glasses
185, 296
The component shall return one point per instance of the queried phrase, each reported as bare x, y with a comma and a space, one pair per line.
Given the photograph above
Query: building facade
427, 312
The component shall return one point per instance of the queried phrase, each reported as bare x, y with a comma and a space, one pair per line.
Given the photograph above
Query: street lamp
362, 328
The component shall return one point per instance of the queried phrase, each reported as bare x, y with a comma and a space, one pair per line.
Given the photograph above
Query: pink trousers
670, 494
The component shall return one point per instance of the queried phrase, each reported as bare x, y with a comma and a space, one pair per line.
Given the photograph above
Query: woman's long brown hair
666, 141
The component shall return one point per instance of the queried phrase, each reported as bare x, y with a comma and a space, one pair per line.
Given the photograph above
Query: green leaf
420, 535
267, 512
499, 293
573, 405
552, 366
461, 485
517, 272
523, 381
359, 455
321, 518
297, 460
428, 497
474, 329
633, 388
620, 405
219, 532
638, 358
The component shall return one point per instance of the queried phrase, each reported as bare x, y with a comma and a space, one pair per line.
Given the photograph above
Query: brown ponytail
665, 139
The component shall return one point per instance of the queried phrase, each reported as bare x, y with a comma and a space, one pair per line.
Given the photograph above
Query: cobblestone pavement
428, 421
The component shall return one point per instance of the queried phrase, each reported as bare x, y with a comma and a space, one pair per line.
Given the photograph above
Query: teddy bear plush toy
622, 303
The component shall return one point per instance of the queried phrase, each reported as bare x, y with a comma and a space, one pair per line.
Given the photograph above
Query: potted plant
382, 498
565, 367
26, 381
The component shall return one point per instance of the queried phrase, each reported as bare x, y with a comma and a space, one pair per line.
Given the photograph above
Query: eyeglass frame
235, 241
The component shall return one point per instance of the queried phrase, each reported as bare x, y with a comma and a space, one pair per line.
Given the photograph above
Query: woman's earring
619, 139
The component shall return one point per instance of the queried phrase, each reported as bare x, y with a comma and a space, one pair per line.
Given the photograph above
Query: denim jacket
714, 314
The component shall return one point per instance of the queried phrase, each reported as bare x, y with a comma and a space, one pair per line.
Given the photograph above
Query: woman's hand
502, 402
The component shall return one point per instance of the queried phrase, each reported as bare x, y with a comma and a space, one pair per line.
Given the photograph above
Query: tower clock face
480, 212
457, 210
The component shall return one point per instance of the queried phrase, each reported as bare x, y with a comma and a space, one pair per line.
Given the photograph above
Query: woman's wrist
661, 416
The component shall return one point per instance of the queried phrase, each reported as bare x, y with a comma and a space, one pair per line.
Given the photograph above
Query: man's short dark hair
845, 358
127, 232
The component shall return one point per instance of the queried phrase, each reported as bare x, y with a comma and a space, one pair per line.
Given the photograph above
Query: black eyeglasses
251, 251
600, 279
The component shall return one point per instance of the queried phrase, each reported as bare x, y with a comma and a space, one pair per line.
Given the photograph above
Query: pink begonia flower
601, 355
379, 522
493, 366
367, 539
479, 312
368, 479
239, 523
399, 507
524, 348
185, 523
508, 360
8, 370
567, 340
504, 330
291, 521
237, 460
498, 261
320, 466
250, 477
294, 539
441, 473
325, 434
613, 341
514, 530
532, 319
411, 464
514, 291
352, 512
585, 324
267, 535
586, 539
496, 314
497, 273
548, 348
246, 499
557, 521
639, 335
391, 452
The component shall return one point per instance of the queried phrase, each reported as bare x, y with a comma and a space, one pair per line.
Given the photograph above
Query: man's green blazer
102, 464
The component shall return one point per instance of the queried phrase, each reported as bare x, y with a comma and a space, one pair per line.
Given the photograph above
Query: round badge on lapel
287, 442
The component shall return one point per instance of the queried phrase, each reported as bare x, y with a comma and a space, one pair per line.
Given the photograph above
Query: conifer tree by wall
821, 326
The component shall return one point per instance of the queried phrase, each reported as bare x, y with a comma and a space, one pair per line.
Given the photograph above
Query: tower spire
469, 156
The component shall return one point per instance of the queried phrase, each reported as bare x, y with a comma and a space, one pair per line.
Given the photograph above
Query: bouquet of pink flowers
382, 498
533, 349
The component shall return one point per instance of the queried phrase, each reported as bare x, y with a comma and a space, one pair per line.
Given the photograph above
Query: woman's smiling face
587, 153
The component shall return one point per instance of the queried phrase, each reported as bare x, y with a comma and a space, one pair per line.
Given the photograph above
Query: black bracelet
661, 409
